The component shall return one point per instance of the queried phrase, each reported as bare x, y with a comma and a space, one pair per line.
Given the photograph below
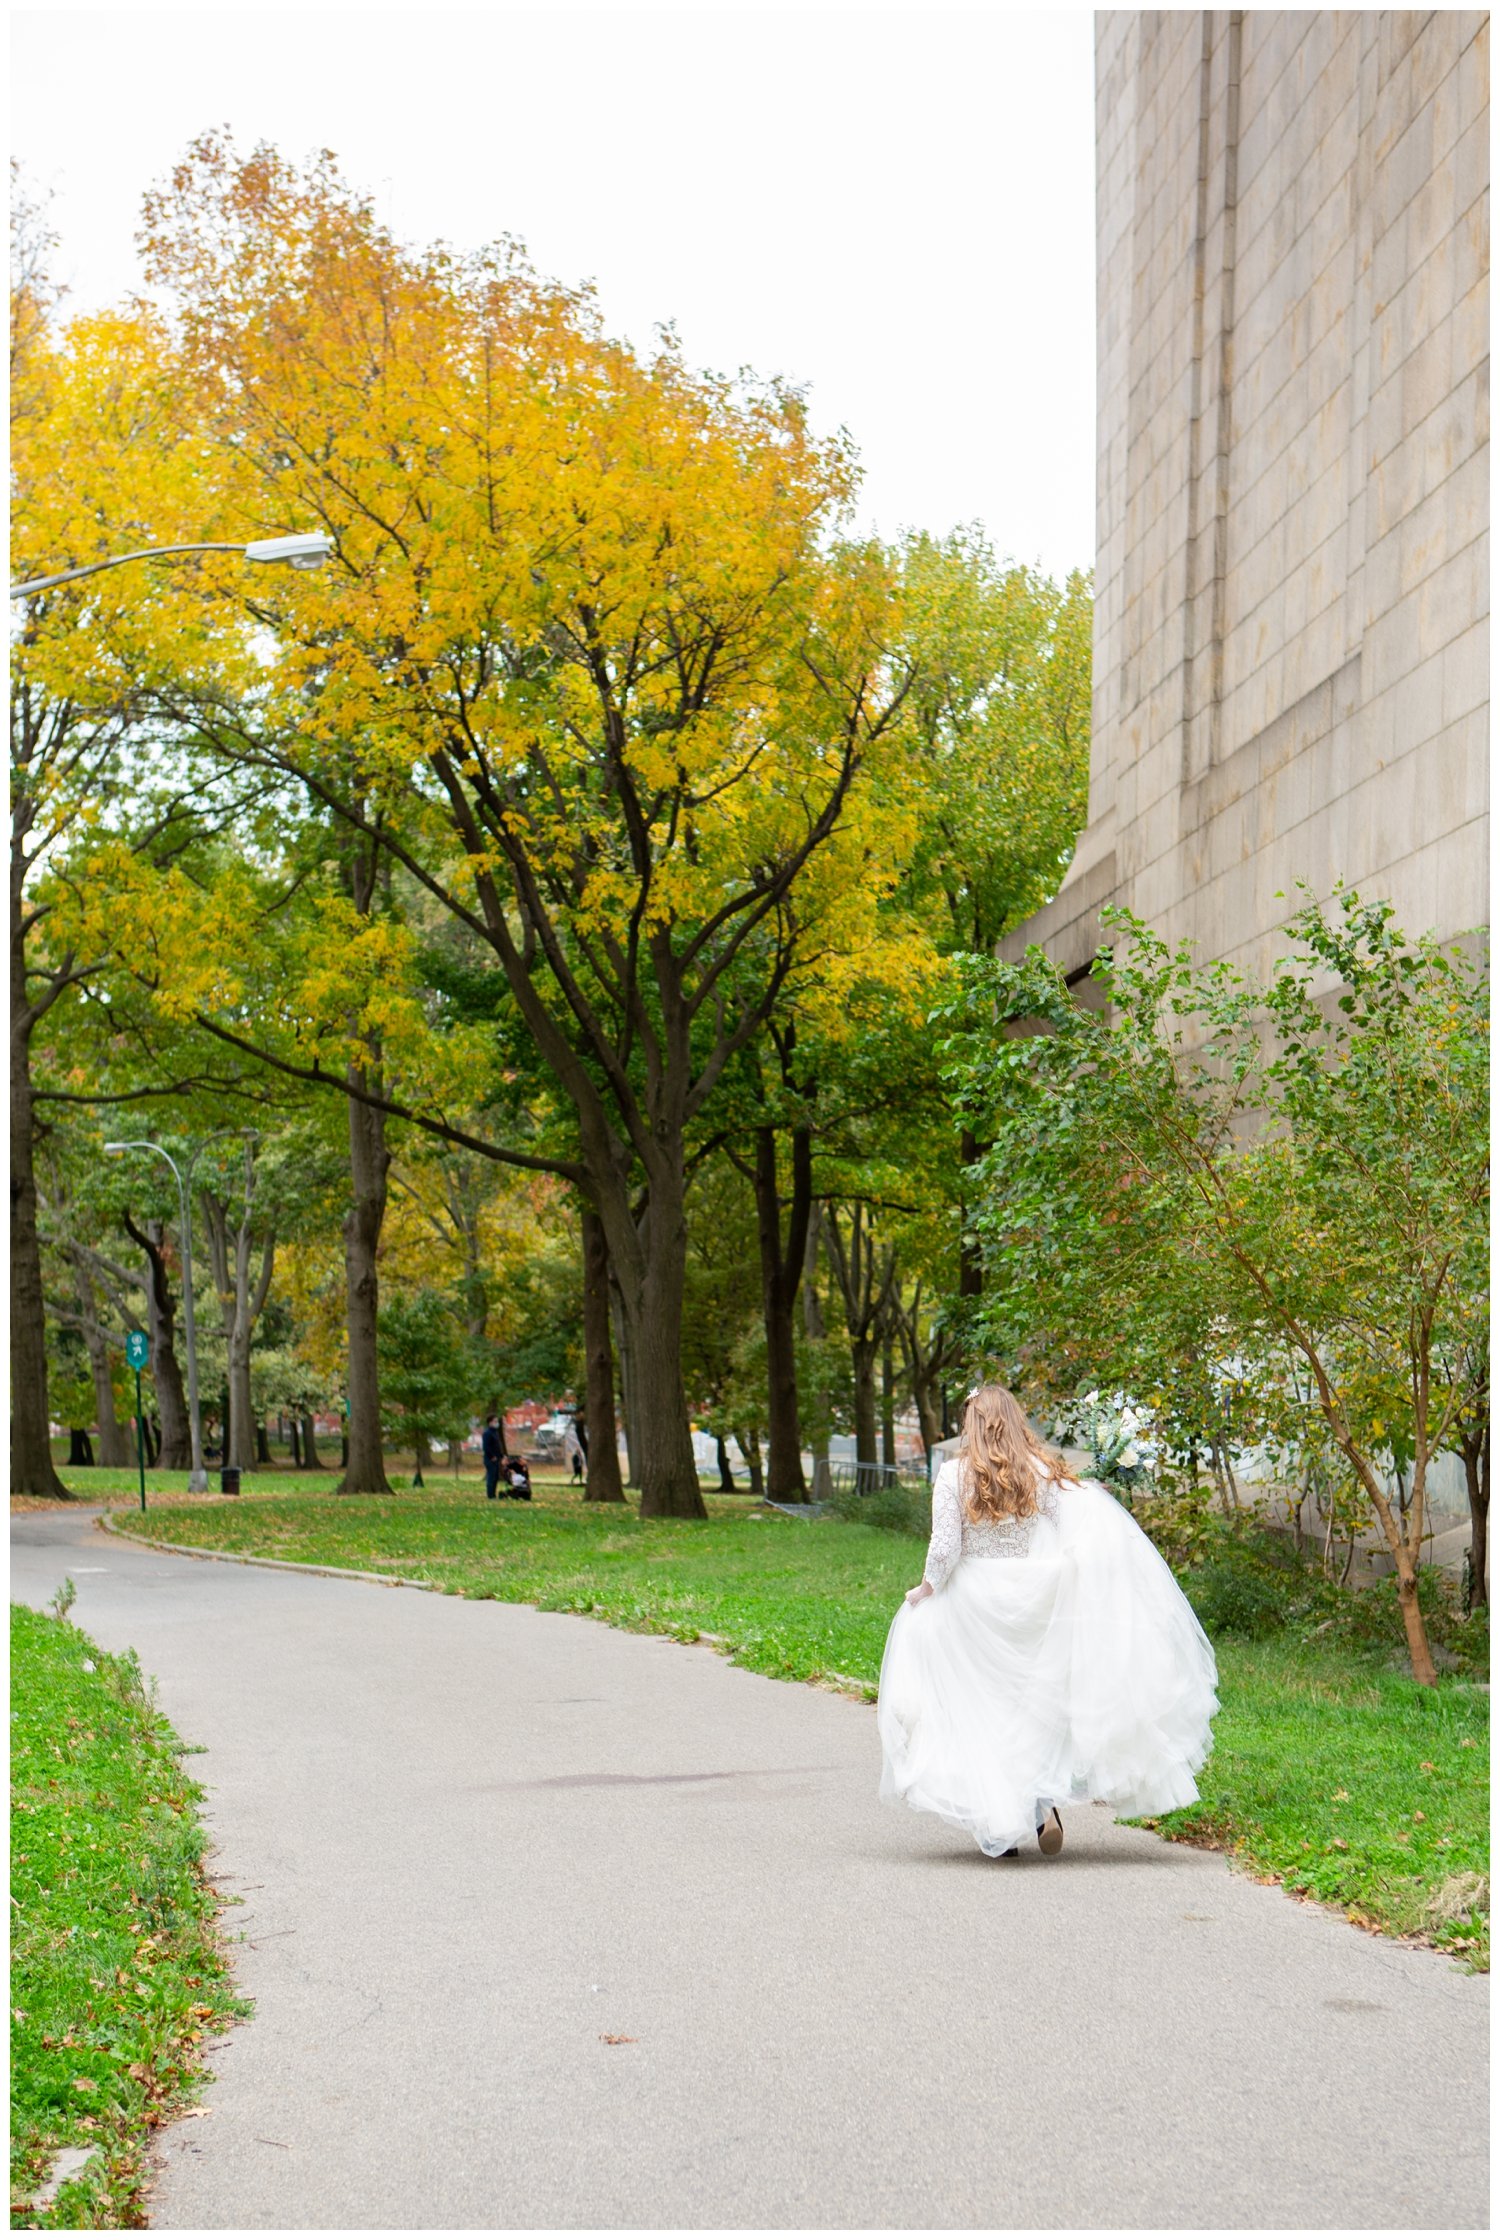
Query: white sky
894, 206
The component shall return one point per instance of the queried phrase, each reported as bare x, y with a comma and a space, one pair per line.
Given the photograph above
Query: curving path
475, 1841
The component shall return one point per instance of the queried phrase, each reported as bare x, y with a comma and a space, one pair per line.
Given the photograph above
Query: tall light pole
293, 552
197, 1477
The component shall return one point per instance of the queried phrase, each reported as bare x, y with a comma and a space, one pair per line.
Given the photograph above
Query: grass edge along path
119, 1969
1332, 1773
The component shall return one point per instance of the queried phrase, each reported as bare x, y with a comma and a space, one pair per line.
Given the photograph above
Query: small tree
1307, 1160
426, 1373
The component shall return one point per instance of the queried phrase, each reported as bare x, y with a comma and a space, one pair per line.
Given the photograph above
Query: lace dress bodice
955, 1533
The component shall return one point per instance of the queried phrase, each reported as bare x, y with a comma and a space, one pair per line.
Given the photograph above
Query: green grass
1302, 1719
1344, 1779
117, 1973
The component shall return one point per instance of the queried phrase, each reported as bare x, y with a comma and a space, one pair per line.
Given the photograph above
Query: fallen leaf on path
608, 2038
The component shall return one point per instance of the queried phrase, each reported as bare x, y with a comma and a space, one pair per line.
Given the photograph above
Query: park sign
138, 1353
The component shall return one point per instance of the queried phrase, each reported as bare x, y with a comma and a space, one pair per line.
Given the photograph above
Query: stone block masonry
1292, 590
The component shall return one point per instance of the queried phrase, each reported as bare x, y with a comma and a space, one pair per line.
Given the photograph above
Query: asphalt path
552, 1926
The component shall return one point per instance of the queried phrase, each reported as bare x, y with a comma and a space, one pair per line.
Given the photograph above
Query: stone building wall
1290, 672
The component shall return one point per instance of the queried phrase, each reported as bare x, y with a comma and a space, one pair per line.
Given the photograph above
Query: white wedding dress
1056, 1658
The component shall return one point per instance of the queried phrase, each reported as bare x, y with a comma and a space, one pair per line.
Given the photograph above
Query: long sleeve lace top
955, 1533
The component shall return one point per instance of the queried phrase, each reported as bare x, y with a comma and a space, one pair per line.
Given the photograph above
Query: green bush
1237, 1598
1369, 1619
1178, 1517
895, 1508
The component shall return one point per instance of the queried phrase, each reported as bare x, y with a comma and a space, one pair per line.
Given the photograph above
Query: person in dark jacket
519, 1477
492, 1445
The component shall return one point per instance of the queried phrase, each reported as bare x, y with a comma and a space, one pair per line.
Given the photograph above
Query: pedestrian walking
492, 1447
1073, 1667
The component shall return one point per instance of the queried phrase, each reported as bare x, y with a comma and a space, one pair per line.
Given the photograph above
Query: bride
1071, 1667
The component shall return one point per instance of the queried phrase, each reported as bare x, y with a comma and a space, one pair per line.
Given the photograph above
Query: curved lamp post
198, 1476
292, 552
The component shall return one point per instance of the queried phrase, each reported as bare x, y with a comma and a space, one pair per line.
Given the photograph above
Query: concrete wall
1290, 665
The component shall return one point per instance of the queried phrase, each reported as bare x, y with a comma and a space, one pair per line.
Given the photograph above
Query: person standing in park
492, 1446
1073, 1667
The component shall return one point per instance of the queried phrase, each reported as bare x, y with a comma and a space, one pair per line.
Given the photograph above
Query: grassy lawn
116, 1970
1344, 1779
1331, 1770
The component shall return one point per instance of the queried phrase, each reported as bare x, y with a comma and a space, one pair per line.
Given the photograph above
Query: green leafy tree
1306, 1159
427, 1376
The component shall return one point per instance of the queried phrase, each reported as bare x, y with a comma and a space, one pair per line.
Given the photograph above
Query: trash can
229, 1481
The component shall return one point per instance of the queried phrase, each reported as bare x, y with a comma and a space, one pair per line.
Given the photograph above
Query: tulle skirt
1075, 1671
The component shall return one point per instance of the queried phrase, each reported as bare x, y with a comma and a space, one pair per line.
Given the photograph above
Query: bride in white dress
1071, 1667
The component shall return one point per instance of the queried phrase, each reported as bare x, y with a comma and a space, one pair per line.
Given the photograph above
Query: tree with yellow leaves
97, 467
592, 668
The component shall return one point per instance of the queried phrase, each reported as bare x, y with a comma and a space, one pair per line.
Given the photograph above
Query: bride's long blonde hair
996, 1455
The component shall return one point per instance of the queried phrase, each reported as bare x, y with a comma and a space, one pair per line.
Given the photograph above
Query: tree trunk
887, 1403
262, 1448
651, 1314
80, 1449
628, 1405
369, 1166
816, 1328
114, 1453
166, 1370
925, 1368
726, 1475
864, 1351
749, 1444
668, 1468
311, 1459
600, 1445
1423, 1670
927, 1403
295, 1443
1476, 1454
867, 1298
780, 1281
240, 1305
239, 1445
32, 1470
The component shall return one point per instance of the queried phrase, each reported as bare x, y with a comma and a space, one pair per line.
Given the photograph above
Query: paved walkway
475, 1841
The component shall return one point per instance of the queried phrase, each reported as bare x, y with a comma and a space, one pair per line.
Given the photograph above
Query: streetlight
292, 552
198, 1476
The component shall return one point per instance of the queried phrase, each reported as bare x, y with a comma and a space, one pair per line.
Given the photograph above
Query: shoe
1049, 1836
1013, 1853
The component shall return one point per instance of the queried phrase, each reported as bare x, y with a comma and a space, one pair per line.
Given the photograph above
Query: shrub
1237, 1598
1363, 1618
892, 1509
1180, 1519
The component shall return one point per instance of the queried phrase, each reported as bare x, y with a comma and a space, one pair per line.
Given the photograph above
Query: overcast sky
892, 206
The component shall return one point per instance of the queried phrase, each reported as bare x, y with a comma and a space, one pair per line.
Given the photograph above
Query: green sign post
138, 1353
